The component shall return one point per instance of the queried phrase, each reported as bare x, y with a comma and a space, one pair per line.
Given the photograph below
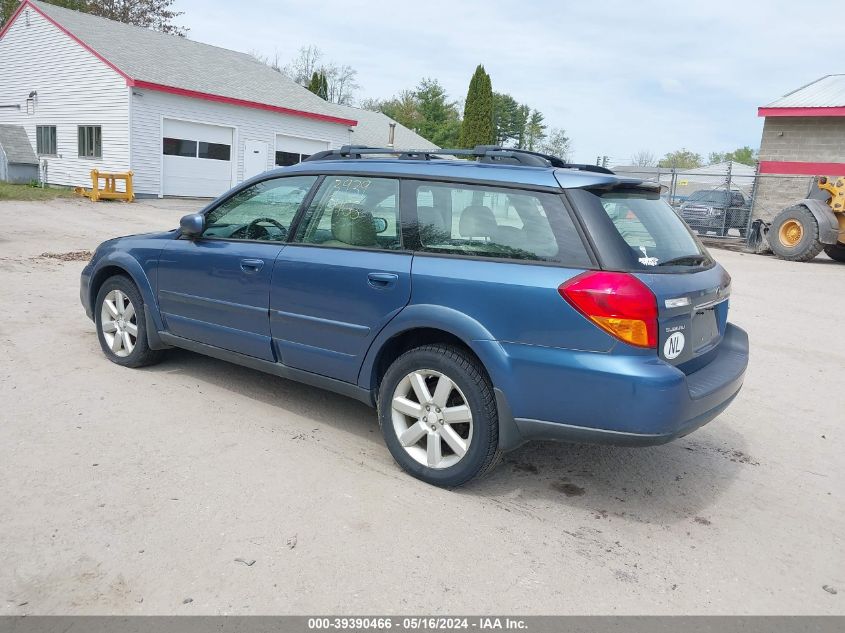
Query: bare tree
342, 83
304, 65
342, 80
644, 158
556, 143
272, 61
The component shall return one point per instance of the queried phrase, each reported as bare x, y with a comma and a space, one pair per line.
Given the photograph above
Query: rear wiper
688, 260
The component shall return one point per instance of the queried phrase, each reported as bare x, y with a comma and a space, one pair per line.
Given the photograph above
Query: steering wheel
252, 226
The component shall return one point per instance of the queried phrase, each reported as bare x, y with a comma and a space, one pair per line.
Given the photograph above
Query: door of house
255, 158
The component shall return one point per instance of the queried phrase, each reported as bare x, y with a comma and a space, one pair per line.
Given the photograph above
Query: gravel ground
152, 491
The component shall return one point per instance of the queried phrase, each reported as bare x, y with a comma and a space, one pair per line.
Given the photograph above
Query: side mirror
380, 224
192, 225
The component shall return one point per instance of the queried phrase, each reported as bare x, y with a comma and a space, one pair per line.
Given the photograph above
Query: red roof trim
182, 92
816, 111
802, 169
173, 90
26, 3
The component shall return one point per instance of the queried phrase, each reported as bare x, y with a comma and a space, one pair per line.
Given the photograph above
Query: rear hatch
634, 231
692, 315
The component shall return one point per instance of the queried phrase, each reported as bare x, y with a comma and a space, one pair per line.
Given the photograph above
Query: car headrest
477, 221
354, 226
431, 216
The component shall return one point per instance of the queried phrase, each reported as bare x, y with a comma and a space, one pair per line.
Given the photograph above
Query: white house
189, 119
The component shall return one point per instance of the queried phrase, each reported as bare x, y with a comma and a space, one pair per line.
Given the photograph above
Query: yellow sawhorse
109, 190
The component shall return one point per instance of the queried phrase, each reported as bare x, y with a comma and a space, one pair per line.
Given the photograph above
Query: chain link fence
722, 201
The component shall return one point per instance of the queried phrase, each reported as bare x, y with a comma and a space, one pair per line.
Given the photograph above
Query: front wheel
438, 415
794, 235
121, 326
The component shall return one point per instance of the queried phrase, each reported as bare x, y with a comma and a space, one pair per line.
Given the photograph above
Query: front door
215, 289
342, 279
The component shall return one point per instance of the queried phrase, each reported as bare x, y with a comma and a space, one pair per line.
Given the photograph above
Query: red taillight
618, 303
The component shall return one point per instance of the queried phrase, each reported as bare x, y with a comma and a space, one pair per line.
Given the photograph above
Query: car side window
353, 212
496, 222
263, 211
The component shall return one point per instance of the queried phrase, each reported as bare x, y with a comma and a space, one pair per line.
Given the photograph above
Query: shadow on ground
663, 484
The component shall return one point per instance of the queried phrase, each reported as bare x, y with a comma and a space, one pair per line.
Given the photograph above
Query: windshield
711, 197
652, 229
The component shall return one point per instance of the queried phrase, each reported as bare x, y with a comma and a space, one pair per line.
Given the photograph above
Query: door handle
382, 280
252, 265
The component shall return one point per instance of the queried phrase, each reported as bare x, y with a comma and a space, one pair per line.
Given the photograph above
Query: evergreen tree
477, 127
440, 122
319, 84
506, 116
535, 131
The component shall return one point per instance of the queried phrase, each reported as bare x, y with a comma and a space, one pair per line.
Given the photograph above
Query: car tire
417, 427
119, 314
835, 251
794, 235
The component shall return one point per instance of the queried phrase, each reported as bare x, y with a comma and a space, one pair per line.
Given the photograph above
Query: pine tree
319, 85
477, 127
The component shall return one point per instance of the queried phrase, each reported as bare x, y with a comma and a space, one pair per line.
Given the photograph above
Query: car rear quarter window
482, 221
652, 235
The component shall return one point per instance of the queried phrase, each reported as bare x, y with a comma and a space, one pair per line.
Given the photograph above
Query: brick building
803, 136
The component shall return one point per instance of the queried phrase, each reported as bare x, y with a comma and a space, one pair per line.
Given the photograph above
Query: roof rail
482, 153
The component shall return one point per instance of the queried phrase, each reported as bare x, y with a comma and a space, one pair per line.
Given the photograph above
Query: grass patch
35, 194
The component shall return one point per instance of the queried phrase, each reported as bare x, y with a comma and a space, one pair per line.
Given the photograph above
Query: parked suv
476, 304
716, 210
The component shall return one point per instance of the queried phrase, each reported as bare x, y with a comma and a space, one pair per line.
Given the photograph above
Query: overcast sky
617, 76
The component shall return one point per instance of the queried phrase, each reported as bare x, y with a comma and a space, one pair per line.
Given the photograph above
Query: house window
45, 140
214, 151
196, 149
90, 141
285, 159
180, 147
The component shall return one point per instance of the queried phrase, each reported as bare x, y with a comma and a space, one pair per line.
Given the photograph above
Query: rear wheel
835, 251
438, 415
121, 326
794, 235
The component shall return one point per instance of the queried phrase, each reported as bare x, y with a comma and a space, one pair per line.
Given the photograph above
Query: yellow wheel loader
801, 232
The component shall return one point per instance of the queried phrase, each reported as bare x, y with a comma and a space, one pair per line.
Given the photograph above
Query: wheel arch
825, 218
419, 325
122, 264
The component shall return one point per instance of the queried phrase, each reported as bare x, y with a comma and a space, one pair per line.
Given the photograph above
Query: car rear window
484, 221
651, 229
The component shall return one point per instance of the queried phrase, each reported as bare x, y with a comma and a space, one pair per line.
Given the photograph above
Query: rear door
343, 277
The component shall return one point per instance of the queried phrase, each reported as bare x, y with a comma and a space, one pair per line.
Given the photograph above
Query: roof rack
482, 153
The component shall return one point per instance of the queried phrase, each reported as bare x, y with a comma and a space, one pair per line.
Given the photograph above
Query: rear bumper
611, 399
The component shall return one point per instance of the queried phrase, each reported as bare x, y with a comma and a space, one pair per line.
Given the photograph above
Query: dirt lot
152, 491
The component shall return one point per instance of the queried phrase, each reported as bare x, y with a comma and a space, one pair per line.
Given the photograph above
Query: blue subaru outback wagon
477, 304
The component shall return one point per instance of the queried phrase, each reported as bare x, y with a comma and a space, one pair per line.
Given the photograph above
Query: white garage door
291, 150
197, 159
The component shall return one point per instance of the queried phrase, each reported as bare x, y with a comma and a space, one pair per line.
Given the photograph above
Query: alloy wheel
431, 418
118, 323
